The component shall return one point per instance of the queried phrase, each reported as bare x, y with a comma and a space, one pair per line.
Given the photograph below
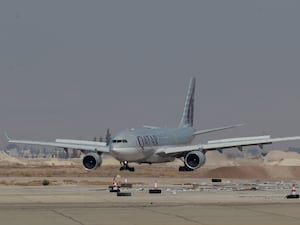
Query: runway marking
66, 216
262, 211
172, 215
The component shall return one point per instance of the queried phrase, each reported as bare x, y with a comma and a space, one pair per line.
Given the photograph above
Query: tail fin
187, 118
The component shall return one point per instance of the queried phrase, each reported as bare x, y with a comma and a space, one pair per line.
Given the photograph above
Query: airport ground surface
251, 192
87, 201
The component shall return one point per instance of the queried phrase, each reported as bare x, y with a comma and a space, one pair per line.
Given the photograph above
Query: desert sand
275, 165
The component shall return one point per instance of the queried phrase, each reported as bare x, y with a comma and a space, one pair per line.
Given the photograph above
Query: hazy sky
71, 69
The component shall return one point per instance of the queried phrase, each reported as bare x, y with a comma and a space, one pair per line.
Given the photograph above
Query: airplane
151, 144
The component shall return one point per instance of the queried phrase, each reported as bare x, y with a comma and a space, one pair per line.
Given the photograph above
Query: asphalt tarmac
178, 204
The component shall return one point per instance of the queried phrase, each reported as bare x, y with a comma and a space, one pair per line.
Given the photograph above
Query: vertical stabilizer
187, 118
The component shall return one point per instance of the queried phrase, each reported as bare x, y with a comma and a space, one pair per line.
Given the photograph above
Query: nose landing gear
124, 166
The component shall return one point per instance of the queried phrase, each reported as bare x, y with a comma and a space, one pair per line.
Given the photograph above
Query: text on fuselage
148, 140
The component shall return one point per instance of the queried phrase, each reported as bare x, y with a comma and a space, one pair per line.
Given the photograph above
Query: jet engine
194, 160
92, 161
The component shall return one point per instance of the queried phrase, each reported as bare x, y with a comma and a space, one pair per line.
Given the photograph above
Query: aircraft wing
67, 143
224, 143
216, 129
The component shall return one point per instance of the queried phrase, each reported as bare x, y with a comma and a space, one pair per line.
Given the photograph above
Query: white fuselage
140, 145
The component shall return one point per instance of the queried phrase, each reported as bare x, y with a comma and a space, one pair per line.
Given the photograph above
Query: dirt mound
239, 172
254, 172
282, 158
5, 159
54, 162
216, 159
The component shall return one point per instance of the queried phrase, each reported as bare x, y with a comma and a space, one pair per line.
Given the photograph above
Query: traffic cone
115, 184
114, 187
155, 190
155, 185
293, 193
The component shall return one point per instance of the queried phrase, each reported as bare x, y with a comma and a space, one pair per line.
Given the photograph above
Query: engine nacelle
92, 161
194, 160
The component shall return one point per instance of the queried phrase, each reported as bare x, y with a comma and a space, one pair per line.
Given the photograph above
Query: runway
95, 213
178, 204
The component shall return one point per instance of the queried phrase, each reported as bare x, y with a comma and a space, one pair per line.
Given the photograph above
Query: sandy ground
276, 165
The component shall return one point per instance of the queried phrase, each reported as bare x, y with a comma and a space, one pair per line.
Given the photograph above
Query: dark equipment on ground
216, 180
123, 193
293, 196
155, 191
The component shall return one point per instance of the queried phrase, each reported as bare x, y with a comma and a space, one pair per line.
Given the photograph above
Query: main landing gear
124, 166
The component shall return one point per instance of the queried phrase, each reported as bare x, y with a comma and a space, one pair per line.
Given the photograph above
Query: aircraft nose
115, 151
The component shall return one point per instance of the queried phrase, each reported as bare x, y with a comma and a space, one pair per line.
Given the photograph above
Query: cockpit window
120, 141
